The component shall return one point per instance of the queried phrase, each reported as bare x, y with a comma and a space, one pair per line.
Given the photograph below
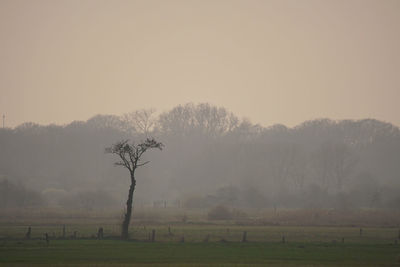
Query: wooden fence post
63, 232
28, 234
100, 233
244, 237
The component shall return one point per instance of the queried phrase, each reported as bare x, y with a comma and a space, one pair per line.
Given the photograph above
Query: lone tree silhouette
130, 157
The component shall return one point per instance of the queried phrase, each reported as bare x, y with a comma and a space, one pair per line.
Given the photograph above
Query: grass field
92, 252
303, 246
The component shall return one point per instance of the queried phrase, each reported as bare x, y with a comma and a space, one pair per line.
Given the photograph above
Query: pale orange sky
271, 61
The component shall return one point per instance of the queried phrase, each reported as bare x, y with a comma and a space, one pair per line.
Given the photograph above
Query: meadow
196, 242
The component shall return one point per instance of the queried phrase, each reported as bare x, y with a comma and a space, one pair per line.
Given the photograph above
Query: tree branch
141, 164
130, 154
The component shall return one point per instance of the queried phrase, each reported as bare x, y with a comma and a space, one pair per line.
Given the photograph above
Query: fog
273, 61
210, 157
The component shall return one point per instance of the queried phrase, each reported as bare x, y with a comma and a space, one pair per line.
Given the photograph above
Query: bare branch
141, 164
141, 121
130, 154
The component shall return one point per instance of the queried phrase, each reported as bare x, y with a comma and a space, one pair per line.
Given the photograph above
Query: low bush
220, 212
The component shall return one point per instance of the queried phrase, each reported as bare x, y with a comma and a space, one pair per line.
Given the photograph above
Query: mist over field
211, 157
199, 132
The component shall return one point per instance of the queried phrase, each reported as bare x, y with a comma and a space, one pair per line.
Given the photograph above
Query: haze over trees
211, 158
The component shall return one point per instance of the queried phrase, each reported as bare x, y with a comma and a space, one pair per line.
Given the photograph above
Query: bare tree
198, 119
334, 162
130, 156
142, 121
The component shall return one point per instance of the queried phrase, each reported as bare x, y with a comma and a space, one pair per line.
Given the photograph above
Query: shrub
16, 195
220, 213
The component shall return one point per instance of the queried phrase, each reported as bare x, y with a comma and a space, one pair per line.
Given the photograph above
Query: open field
303, 245
107, 252
150, 215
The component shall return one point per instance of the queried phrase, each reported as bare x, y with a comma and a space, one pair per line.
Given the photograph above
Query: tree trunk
129, 202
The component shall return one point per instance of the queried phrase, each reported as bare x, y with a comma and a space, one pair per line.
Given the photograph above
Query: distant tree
106, 121
334, 163
200, 119
16, 195
130, 156
140, 121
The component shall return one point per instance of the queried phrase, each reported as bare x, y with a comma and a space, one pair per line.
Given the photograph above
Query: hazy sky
271, 61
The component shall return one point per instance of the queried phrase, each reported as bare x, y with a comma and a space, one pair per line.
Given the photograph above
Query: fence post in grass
244, 237
46, 237
100, 233
342, 239
283, 239
63, 232
182, 239
28, 234
361, 231
153, 235
169, 230
184, 218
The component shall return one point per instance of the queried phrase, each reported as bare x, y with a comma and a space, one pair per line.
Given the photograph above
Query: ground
302, 246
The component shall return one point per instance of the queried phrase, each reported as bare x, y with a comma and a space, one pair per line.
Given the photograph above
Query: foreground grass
304, 246
107, 252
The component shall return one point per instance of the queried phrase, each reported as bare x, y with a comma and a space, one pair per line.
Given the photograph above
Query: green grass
120, 252
304, 246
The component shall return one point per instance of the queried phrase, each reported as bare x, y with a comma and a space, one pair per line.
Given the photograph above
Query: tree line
211, 156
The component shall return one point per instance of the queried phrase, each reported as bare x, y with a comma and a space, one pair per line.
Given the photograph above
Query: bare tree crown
130, 153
